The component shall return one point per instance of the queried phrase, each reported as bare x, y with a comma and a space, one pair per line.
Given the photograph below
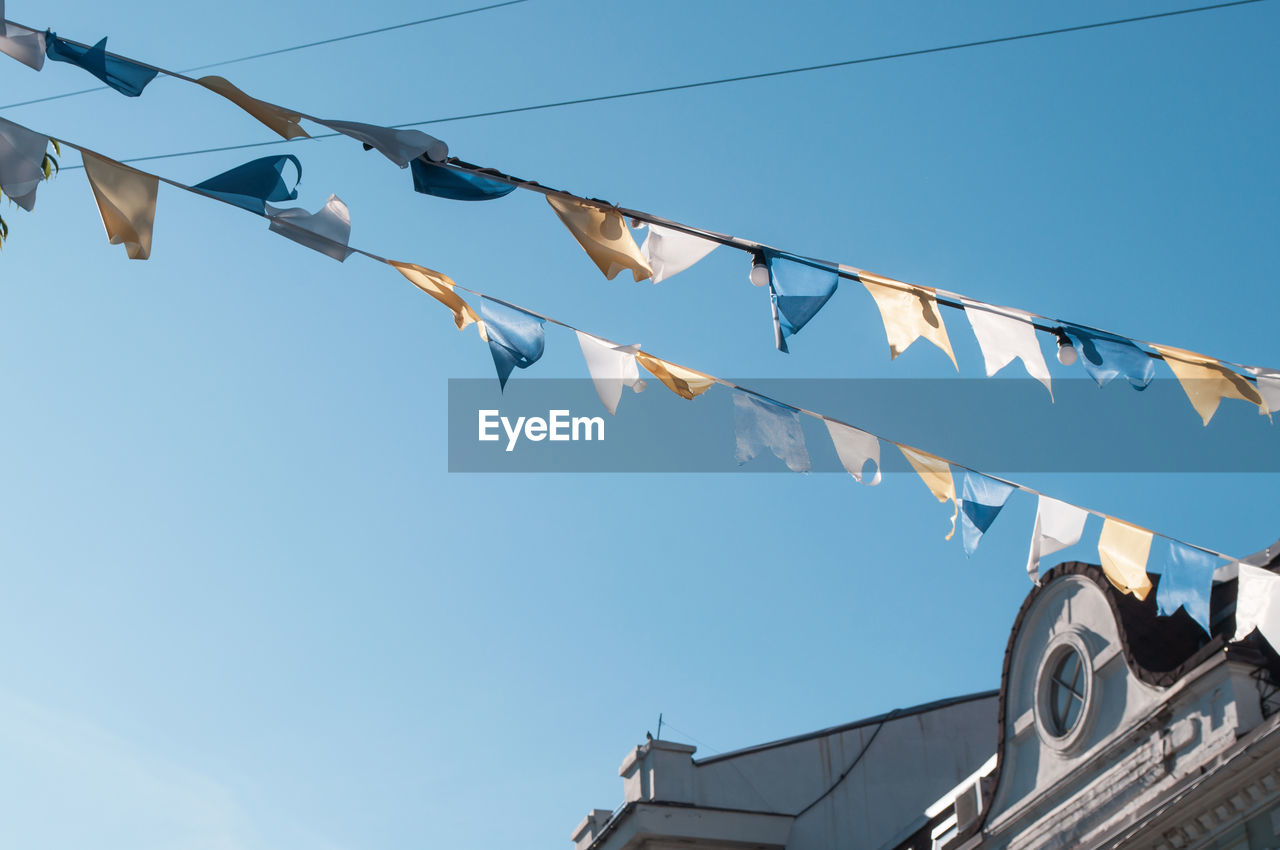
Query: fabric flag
443, 182
936, 475
799, 289
683, 381
1186, 580
21, 162
1107, 357
126, 200
1258, 604
760, 424
603, 234
1004, 334
612, 367
282, 121
1207, 382
27, 46
855, 448
1123, 549
1058, 525
252, 185
440, 287
980, 503
1268, 387
399, 146
909, 313
328, 230
128, 78
516, 338
669, 252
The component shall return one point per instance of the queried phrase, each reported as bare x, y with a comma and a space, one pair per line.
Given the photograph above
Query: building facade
1113, 727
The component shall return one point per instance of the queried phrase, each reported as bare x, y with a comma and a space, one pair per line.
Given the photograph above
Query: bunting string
909, 310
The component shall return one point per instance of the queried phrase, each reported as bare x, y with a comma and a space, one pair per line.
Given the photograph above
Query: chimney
658, 770
590, 828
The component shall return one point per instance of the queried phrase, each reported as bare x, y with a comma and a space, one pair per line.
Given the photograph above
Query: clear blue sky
245, 605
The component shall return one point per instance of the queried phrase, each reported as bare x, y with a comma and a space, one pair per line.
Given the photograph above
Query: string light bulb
1066, 351
759, 270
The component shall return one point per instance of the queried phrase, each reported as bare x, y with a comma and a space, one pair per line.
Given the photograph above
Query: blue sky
247, 607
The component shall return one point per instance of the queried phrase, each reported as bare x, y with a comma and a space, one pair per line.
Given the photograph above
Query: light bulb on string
1066, 351
759, 270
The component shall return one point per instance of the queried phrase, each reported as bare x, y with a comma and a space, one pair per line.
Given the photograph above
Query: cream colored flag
684, 382
936, 475
440, 287
909, 313
279, 119
127, 201
1207, 382
603, 234
1123, 550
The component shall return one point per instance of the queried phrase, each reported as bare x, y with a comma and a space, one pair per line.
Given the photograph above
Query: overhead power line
738, 79
277, 52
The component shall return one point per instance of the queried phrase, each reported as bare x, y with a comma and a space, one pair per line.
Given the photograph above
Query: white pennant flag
327, 230
27, 46
612, 367
855, 448
1268, 387
21, 159
1058, 525
1004, 334
399, 146
1258, 604
670, 252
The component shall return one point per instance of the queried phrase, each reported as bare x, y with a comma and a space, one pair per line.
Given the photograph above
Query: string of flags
516, 337
798, 286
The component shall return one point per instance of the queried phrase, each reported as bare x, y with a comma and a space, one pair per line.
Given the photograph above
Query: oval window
1066, 693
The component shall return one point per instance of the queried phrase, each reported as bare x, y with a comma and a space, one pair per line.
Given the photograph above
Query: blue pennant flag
1106, 357
432, 179
980, 504
799, 289
516, 338
252, 185
1186, 579
124, 76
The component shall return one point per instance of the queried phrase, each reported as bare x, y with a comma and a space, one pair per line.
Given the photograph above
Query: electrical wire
278, 51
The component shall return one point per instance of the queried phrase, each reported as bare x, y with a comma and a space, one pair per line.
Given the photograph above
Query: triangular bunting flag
516, 338
669, 251
603, 234
399, 146
252, 185
684, 382
126, 200
1123, 549
799, 289
936, 475
1258, 604
443, 182
760, 424
128, 78
440, 287
909, 313
1206, 381
282, 121
327, 230
612, 367
27, 46
1107, 357
855, 448
1004, 334
1058, 525
981, 501
1268, 387
1186, 579
21, 160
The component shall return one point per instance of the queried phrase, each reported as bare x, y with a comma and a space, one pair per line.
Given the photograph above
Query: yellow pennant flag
282, 120
603, 234
936, 475
440, 287
126, 200
1123, 550
909, 313
1207, 382
684, 382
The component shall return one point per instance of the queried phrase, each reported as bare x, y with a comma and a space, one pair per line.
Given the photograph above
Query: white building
1112, 728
